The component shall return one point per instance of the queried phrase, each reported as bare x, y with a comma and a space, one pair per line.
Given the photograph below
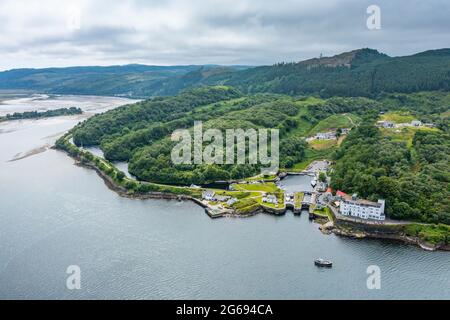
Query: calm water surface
54, 214
297, 183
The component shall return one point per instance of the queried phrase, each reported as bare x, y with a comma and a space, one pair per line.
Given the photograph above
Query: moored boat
323, 263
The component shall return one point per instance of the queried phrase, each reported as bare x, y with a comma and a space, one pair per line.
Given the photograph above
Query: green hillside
139, 133
413, 176
363, 72
336, 121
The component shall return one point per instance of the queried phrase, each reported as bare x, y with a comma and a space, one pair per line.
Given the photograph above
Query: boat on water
313, 182
323, 263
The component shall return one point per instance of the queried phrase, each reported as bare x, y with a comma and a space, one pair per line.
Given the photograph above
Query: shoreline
122, 192
170, 196
415, 241
338, 227
359, 230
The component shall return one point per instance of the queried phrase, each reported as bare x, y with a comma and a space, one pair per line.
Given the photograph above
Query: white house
232, 201
386, 124
208, 195
331, 135
270, 199
363, 209
289, 198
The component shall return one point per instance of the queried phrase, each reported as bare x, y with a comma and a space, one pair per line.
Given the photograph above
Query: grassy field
323, 144
301, 166
303, 125
262, 177
321, 213
334, 122
398, 117
309, 101
324, 213
404, 134
298, 198
252, 203
235, 194
445, 114
245, 206
269, 187
226, 104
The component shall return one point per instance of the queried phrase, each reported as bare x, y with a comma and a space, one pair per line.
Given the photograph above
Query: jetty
215, 212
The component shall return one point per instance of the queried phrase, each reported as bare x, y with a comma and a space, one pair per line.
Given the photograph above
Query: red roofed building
328, 194
342, 194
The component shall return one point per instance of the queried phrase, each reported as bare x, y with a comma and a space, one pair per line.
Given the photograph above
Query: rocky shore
364, 231
121, 191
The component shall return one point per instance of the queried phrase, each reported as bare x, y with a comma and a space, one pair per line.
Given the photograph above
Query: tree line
45, 114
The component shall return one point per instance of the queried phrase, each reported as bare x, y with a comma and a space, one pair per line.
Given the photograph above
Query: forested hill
363, 72
137, 81
406, 165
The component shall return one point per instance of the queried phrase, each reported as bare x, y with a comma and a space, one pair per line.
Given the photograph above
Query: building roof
342, 194
363, 202
208, 193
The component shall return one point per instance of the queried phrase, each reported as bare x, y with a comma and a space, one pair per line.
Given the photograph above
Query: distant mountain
363, 72
130, 80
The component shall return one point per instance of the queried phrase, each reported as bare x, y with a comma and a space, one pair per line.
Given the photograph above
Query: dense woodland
414, 180
140, 133
360, 73
140, 115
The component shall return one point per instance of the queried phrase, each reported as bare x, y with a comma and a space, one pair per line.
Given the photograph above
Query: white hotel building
363, 209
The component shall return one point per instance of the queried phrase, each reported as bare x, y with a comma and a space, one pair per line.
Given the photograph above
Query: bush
120, 176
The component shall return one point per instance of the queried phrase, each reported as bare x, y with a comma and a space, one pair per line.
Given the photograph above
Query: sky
58, 33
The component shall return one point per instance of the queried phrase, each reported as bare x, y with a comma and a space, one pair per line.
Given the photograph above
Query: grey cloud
216, 31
